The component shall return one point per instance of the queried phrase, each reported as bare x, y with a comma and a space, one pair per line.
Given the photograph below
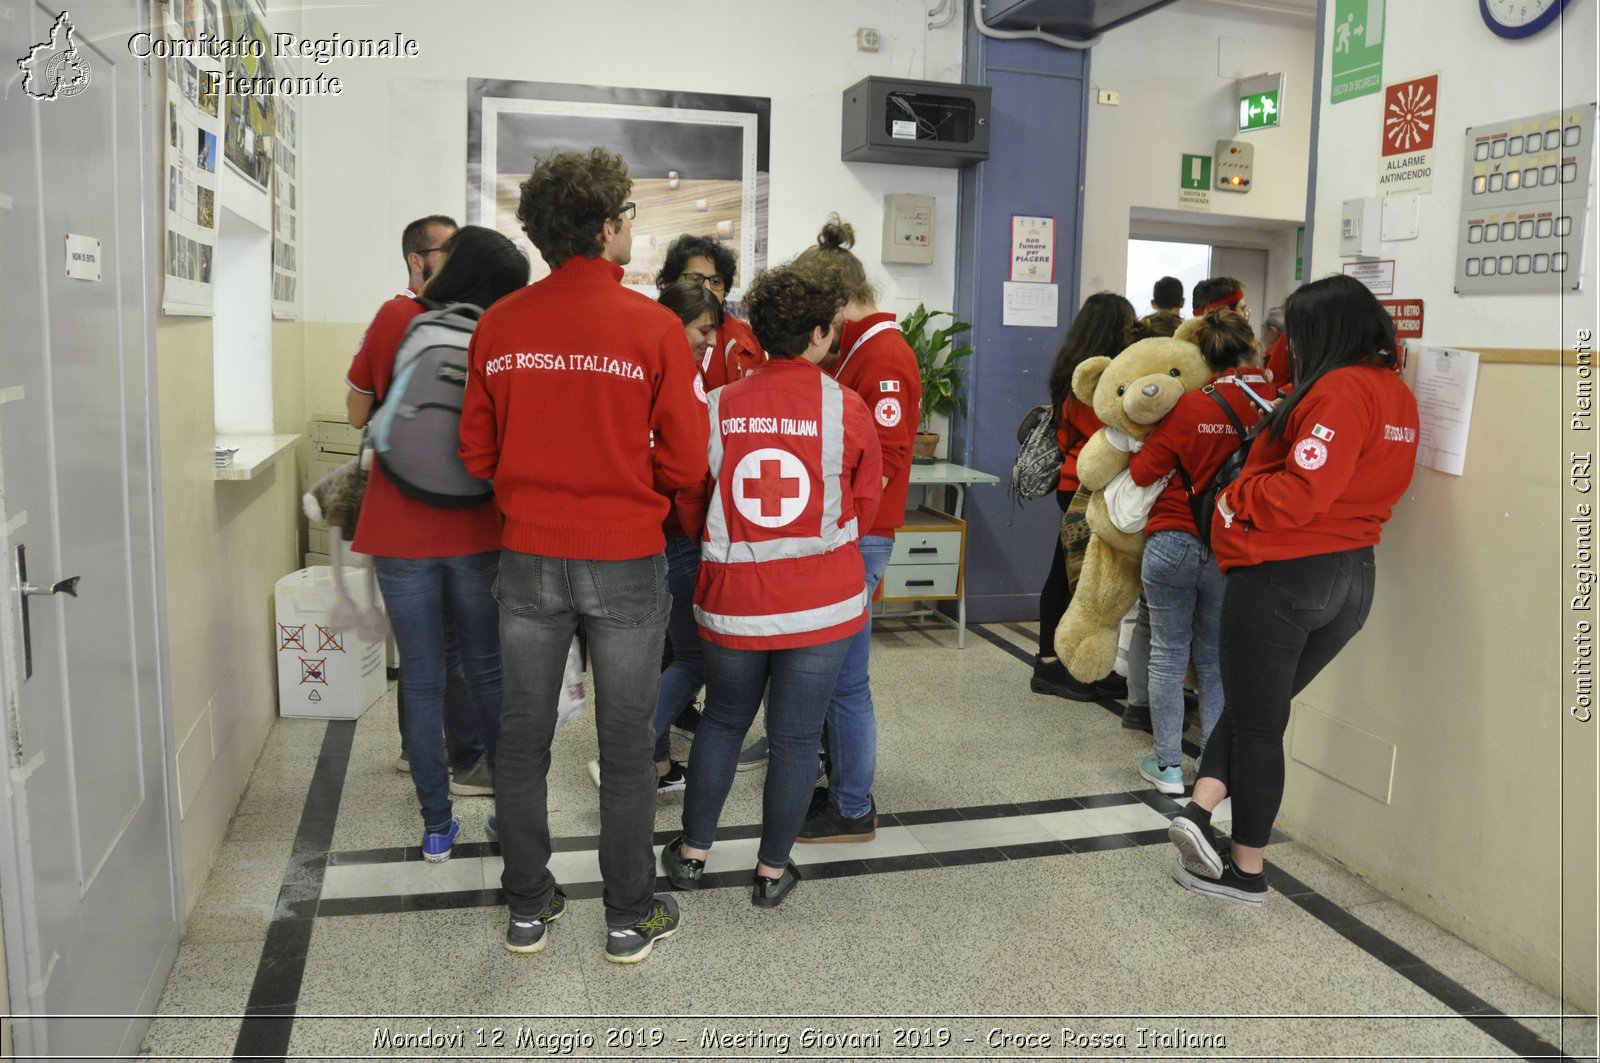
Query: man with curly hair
581, 407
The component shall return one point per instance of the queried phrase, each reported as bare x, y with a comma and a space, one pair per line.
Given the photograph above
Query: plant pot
923, 448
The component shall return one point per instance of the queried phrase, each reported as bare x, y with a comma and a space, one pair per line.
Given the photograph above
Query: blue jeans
1284, 622
1139, 657
852, 727
683, 678
463, 737
623, 607
417, 592
1183, 588
800, 681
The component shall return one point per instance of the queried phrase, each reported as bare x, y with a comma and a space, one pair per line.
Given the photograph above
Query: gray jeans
623, 606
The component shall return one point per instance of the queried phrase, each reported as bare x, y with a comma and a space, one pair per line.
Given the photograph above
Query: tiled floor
1018, 888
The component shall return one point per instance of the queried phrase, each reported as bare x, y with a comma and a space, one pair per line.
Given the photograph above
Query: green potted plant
939, 361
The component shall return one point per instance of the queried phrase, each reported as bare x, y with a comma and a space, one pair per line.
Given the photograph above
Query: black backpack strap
1233, 418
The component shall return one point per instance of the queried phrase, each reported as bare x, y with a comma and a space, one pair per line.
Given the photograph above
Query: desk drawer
926, 548
920, 581
338, 433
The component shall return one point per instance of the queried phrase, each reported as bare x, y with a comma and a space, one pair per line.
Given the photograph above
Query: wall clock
1514, 19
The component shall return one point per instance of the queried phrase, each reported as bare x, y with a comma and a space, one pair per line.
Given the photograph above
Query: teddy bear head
1141, 385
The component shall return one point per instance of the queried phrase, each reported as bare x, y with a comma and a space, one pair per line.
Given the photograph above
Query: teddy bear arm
1099, 461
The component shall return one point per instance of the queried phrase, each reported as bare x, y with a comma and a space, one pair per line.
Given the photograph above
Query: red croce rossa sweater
1331, 480
882, 369
581, 407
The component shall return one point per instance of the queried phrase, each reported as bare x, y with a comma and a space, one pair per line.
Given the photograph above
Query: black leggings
1282, 622
1057, 592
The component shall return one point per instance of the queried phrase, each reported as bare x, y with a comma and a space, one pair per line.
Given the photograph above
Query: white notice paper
1030, 305
1446, 380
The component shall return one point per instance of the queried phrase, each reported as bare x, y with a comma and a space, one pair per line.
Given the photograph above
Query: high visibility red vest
797, 470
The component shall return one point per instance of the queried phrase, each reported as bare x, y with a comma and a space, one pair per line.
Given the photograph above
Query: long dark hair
1103, 326
1332, 323
690, 301
480, 266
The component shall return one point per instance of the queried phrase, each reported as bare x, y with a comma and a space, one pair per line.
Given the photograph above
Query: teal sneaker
1167, 780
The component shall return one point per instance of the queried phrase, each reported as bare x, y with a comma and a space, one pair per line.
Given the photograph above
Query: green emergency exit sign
1258, 110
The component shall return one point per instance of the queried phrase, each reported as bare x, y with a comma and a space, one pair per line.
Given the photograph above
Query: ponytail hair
832, 254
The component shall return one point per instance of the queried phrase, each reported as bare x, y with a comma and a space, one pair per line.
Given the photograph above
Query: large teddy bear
1130, 394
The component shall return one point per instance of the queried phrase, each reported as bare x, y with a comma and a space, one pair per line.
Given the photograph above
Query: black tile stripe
269, 1013
1515, 1036
269, 1021
1111, 705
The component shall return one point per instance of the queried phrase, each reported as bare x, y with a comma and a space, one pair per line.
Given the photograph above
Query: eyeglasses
426, 251
712, 281
628, 210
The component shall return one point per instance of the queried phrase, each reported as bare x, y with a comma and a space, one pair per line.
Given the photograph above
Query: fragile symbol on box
314, 671
328, 640
293, 637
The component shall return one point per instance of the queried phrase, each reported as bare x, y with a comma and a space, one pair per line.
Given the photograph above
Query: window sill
255, 454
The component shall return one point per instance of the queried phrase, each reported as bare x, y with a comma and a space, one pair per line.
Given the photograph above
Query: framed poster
699, 162
286, 214
249, 120
190, 151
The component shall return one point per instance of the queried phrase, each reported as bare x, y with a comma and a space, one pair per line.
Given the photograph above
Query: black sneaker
1113, 686
674, 779
770, 892
1196, 843
528, 935
1137, 718
1054, 679
827, 824
688, 722
684, 874
631, 944
1229, 886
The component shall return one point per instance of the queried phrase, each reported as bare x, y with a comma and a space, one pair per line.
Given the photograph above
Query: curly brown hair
567, 199
786, 302
832, 253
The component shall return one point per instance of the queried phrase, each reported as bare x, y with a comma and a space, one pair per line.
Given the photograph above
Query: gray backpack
416, 432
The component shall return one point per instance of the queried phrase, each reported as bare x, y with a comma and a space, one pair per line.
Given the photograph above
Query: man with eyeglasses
709, 262
581, 407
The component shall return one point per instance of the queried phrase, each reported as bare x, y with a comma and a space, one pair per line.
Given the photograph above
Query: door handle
26, 590
68, 586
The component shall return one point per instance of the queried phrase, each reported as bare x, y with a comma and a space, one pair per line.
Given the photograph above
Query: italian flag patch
888, 385
1322, 433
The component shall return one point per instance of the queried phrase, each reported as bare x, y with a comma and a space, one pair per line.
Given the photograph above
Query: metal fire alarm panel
908, 229
1524, 194
1234, 165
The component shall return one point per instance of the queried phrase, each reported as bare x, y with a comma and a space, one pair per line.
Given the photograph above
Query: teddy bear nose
1150, 391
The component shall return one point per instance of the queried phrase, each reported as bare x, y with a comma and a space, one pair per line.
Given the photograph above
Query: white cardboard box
324, 673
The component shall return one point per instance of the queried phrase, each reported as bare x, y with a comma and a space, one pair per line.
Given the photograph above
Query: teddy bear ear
1086, 378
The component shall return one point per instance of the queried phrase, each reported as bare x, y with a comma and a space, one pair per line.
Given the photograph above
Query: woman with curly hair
782, 591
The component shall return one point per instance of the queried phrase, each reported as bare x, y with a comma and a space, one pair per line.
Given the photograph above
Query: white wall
1489, 828
392, 147
1175, 71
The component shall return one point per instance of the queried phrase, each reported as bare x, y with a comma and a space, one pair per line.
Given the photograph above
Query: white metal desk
933, 478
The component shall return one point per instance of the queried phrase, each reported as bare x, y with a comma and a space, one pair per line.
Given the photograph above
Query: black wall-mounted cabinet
915, 123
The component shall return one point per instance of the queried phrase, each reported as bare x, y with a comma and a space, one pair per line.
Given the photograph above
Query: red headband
1217, 304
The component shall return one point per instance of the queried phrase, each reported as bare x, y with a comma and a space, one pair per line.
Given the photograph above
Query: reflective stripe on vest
819, 619
718, 546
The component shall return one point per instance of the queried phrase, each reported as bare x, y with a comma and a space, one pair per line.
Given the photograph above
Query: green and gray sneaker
631, 944
528, 935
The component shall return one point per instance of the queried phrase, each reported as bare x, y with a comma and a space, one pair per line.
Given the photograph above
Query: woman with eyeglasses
710, 263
